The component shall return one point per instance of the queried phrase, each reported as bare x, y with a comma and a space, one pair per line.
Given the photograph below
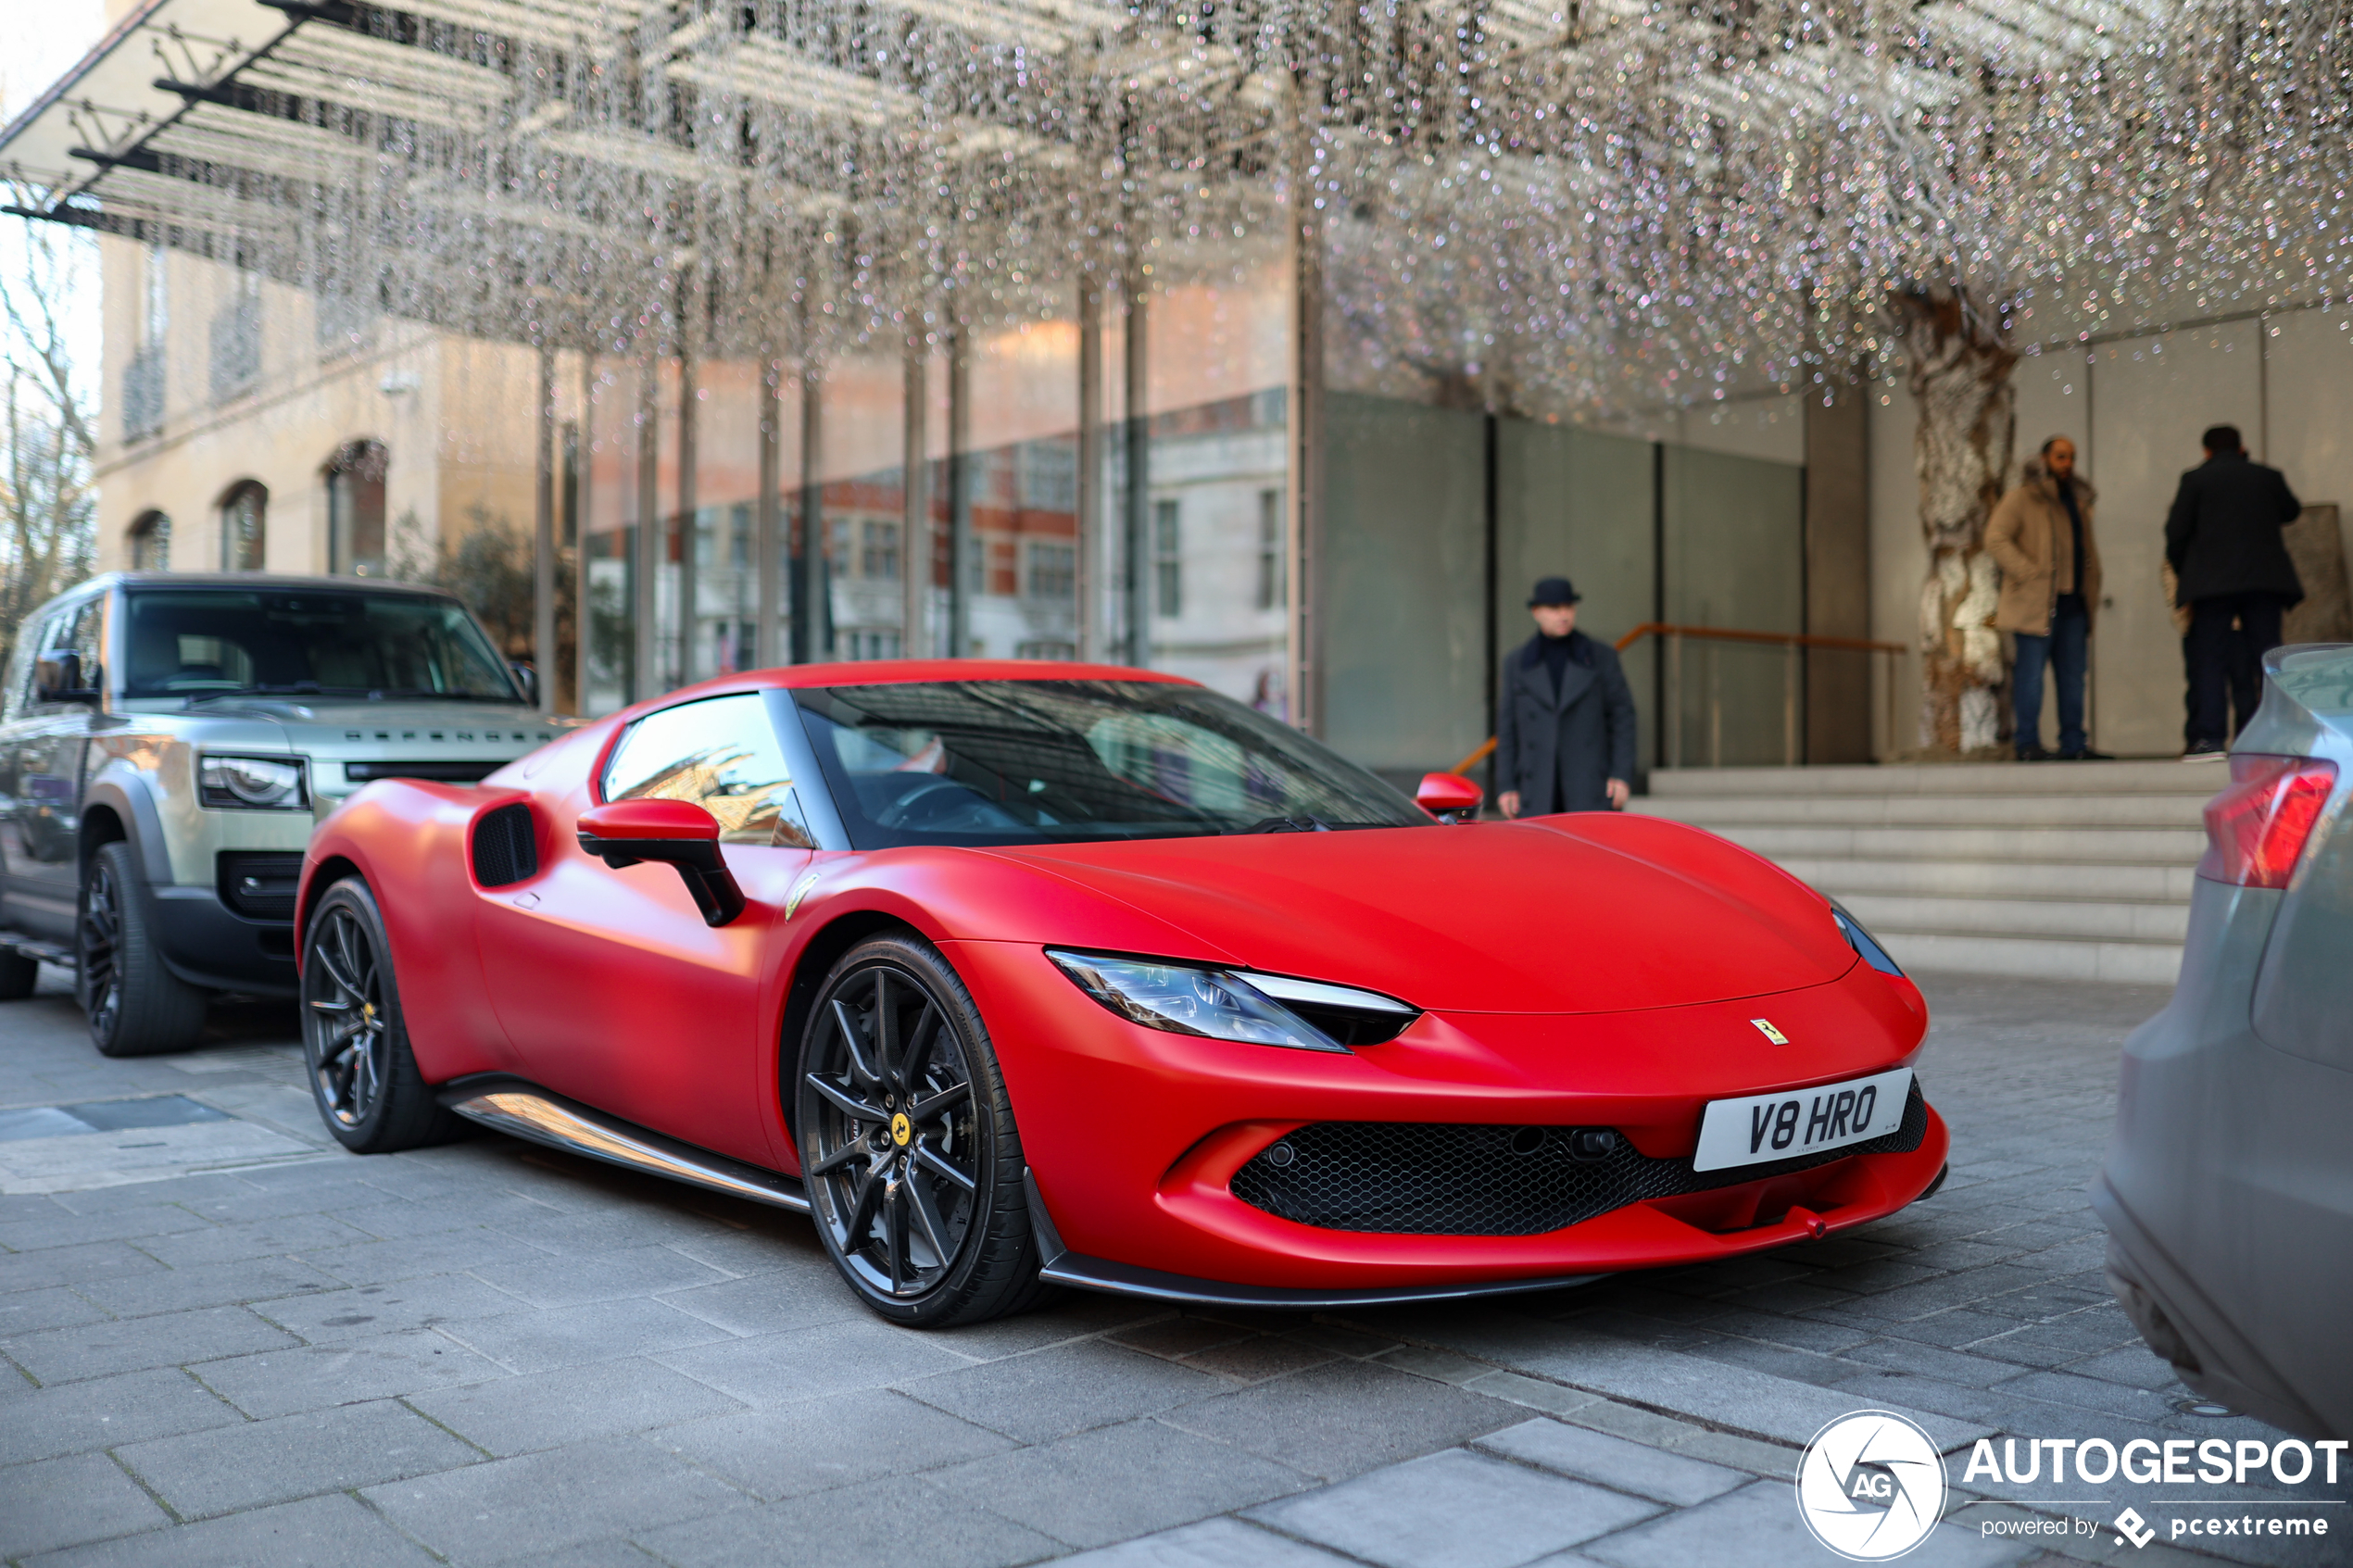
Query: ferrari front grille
1444, 1179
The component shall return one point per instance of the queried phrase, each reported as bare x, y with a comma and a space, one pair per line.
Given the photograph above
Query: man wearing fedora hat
1565, 716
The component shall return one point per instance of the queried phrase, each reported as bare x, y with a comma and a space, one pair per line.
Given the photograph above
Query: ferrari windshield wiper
1289, 824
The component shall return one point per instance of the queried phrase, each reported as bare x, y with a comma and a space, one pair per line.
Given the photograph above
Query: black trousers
2226, 660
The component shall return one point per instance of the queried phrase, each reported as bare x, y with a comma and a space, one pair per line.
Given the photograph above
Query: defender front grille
1444, 1179
444, 771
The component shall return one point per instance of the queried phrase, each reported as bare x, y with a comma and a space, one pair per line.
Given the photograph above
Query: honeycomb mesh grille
505, 850
1442, 1179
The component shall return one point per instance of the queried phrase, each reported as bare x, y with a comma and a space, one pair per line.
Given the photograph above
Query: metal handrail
1792, 641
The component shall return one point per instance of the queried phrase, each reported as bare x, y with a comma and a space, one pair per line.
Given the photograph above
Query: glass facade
1120, 486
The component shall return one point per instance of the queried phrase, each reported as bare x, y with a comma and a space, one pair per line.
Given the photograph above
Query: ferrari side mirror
677, 833
1446, 795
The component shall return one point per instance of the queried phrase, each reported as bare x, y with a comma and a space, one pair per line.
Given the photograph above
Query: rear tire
19, 975
913, 1163
135, 1005
355, 1040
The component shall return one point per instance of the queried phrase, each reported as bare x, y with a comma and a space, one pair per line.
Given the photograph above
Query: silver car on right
2228, 1188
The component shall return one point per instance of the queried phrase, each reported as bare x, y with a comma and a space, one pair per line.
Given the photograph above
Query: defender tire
355, 1038
137, 1007
908, 1150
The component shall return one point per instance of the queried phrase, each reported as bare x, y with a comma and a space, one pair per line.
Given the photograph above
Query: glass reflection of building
1193, 429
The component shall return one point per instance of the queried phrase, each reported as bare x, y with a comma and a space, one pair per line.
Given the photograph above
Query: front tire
908, 1146
137, 1007
355, 1040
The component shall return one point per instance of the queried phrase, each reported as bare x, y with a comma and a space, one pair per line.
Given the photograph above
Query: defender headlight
1863, 941
252, 783
1225, 1004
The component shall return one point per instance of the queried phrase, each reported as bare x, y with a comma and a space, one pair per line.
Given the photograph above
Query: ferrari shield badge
1765, 1027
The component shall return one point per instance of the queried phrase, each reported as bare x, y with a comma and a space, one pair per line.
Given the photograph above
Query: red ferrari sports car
1017, 975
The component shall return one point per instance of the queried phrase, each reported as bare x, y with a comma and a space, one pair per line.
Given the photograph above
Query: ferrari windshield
983, 763
196, 643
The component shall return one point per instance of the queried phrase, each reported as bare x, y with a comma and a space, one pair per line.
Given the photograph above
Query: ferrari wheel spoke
936, 1163
836, 1160
341, 977
940, 1104
885, 1035
857, 1111
927, 1219
895, 1232
853, 1043
920, 1041
861, 1212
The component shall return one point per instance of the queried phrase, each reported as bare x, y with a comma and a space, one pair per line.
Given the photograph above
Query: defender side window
30, 642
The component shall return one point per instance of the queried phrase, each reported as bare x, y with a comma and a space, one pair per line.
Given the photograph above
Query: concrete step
2157, 847
1846, 879
2201, 779
2103, 921
2140, 963
1932, 811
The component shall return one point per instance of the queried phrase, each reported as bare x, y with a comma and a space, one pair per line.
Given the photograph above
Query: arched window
245, 526
356, 508
151, 543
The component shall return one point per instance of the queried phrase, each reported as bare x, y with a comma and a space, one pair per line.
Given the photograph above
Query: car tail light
2256, 829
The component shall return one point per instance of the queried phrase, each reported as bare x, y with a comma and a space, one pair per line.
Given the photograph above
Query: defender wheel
19, 975
908, 1146
355, 1041
137, 1007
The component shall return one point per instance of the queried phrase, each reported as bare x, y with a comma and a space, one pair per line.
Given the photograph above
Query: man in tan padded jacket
2041, 537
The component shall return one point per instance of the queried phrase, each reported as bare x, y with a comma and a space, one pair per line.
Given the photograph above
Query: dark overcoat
1575, 740
2222, 535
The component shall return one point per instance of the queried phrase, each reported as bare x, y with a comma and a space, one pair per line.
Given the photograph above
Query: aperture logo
1870, 1487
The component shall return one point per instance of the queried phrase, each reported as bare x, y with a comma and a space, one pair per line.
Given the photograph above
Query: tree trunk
1960, 376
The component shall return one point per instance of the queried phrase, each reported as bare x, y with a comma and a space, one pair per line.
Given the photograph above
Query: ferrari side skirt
1059, 1266
522, 1109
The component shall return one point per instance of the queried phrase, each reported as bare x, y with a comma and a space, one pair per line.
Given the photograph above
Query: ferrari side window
720, 753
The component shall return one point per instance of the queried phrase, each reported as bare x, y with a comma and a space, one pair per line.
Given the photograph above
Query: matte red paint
1591, 969
649, 819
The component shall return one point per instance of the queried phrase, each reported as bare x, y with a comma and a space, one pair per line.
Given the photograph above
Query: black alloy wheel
347, 1025
908, 1146
135, 1005
96, 943
355, 1040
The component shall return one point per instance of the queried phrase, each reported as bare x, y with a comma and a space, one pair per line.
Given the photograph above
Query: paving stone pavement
486, 1353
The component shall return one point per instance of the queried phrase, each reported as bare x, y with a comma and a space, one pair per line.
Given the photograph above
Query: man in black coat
2223, 539
1565, 716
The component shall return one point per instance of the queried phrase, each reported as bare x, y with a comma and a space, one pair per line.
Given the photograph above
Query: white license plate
1768, 1127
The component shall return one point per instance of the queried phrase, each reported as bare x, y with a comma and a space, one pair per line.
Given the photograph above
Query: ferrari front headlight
252, 783
1190, 999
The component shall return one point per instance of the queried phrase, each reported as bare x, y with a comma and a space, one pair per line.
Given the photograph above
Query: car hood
1583, 913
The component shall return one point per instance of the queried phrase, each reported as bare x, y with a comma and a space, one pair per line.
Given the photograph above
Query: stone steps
2054, 871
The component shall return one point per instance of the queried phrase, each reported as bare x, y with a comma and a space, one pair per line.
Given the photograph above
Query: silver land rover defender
169, 740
